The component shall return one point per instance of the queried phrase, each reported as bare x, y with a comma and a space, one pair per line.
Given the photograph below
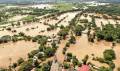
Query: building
84, 68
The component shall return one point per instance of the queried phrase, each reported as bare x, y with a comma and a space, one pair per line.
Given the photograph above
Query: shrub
27, 38
48, 29
63, 33
26, 66
54, 45
62, 27
75, 61
49, 51
104, 69
21, 34
20, 61
64, 50
69, 57
46, 67
32, 53
5, 39
14, 38
78, 30
66, 65
40, 55
102, 60
72, 40
109, 55
112, 65
9, 29
84, 21
67, 44
14, 65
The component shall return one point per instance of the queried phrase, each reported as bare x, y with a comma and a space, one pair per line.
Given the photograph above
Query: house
84, 68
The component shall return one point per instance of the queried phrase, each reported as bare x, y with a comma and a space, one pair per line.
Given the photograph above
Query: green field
64, 6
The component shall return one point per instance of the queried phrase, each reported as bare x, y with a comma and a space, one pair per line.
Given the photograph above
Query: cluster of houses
57, 67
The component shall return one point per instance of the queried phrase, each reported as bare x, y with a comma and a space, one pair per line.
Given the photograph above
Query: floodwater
14, 51
83, 48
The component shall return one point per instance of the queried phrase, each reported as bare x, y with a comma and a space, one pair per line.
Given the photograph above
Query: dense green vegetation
29, 19
7, 13
113, 9
109, 32
109, 55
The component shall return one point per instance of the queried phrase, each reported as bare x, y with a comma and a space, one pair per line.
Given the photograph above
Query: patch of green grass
64, 6
29, 17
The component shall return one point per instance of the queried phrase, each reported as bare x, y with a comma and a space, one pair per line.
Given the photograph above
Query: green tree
72, 39
26, 66
109, 54
78, 30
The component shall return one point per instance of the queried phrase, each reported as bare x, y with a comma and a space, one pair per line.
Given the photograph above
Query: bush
42, 48
67, 44
112, 65
14, 38
78, 30
109, 55
32, 53
69, 54
9, 29
72, 40
14, 65
53, 44
66, 65
104, 69
26, 66
49, 29
21, 34
64, 50
84, 21
46, 67
20, 61
40, 39
69, 57
75, 61
5, 39
34, 39
27, 38
63, 33
49, 51
62, 27
40, 55
101, 60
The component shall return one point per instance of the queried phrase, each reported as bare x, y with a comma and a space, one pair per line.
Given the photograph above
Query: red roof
84, 68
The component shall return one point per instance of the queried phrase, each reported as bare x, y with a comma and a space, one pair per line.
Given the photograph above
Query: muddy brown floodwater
14, 51
83, 48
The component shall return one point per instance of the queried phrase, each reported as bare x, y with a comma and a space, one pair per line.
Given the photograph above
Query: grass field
64, 6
